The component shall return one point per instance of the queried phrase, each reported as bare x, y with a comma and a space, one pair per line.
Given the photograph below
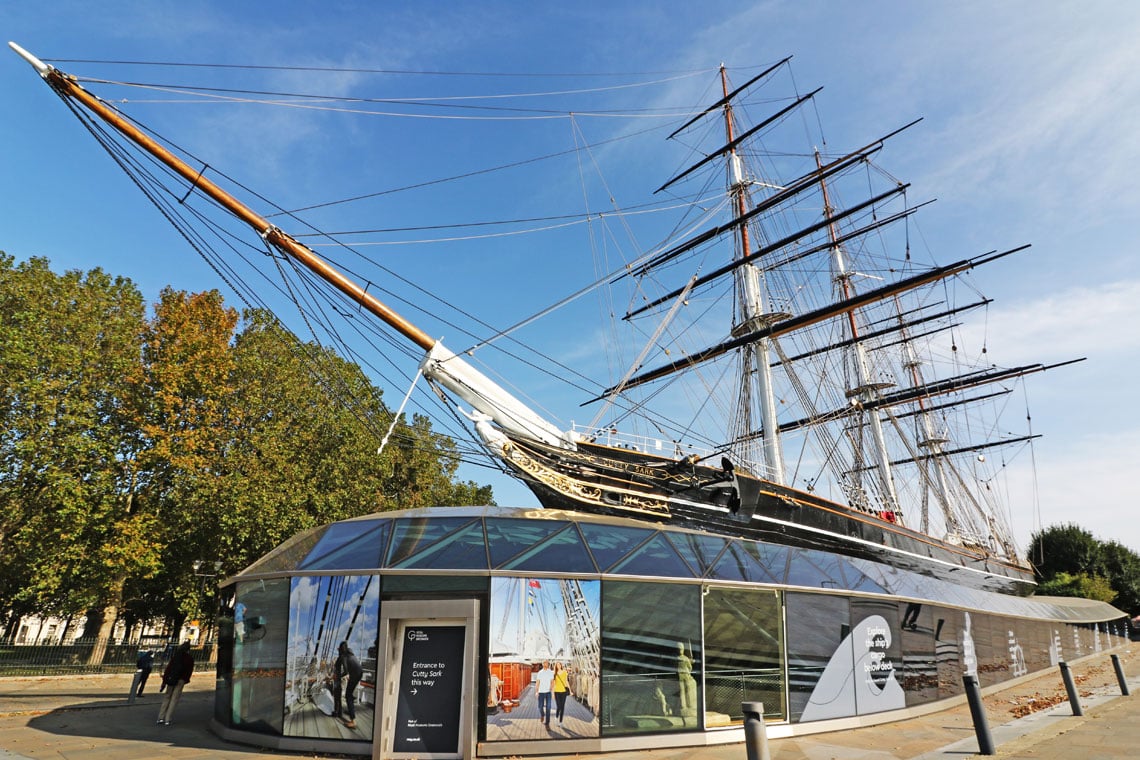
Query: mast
930, 441
755, 361
439, 364
866, 389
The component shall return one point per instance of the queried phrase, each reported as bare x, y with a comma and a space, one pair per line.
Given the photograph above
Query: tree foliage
132, 446
1082, 585
1070, 561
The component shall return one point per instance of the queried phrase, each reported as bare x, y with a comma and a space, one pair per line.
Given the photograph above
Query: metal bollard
978, 713
1071, 688
1120, 676
134, 687
755, 734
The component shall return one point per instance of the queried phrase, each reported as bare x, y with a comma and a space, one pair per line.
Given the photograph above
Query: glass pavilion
491, 631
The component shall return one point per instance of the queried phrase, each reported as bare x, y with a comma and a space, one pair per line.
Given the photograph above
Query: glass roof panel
857, 580
414, 534
699, 550
289, 554
773, 558
609, 543
357, 551
656, 557
744, 561
810, 567
564, 552
508, 537
462, 549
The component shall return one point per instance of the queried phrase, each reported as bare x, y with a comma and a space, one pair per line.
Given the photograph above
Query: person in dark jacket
347, 665
144, 664
174, 678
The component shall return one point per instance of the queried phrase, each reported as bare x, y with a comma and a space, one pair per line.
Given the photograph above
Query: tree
1079, 585
1122, 568
129, 448
1064, 549
70, 349
1070, 561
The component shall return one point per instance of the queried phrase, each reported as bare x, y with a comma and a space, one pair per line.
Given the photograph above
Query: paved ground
90, 718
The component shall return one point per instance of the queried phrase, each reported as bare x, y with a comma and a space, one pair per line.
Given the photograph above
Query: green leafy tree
1121, 566
1064, 549
70, 349
189, 367
1080, 585
1068, 559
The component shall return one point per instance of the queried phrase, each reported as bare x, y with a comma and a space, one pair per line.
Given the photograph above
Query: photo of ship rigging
330, 677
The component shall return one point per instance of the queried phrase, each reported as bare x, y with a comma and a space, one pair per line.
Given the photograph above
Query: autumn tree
129, 448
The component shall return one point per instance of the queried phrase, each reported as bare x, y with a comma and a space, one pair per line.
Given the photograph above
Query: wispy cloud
1078, 321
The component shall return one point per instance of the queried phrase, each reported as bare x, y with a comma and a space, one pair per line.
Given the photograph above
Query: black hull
629, 483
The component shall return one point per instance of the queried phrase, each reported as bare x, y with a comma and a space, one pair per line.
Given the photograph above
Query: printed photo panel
819, 631
918, 672
330, 673
543, 659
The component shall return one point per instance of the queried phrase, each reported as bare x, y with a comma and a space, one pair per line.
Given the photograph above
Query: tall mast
932, 442
865, 389
439, 364
756, 367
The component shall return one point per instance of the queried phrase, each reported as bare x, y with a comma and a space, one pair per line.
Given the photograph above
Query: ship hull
629, 483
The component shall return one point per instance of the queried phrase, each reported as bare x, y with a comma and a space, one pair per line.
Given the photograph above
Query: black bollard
978, 713
1120, 676
755, 734
1071, 688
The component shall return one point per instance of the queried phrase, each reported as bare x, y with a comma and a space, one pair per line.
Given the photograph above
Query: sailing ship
829, 347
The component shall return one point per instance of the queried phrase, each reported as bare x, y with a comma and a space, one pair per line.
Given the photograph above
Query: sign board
431, 687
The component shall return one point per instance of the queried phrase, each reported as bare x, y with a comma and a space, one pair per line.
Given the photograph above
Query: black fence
62, 659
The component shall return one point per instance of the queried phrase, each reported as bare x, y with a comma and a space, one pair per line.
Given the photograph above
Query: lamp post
199, 564
199, 567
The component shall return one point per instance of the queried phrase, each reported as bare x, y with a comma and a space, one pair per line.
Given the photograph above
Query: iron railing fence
64, 659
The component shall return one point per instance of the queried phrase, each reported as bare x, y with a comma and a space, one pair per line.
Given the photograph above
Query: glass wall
629, 627
744, 654
651, 657
261, 629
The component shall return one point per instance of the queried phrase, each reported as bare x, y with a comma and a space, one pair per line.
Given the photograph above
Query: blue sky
1028, 137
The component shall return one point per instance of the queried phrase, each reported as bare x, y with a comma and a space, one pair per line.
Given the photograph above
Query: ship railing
662, 447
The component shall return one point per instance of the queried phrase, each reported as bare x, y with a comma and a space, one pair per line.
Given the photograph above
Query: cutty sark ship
842, 428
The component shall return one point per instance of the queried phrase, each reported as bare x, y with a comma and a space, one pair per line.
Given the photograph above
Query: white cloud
1079, 321
1087, 480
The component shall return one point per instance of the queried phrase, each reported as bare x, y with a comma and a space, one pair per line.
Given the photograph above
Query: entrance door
427, 652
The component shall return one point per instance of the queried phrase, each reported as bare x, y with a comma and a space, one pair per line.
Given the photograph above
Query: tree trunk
110, 615
11, 627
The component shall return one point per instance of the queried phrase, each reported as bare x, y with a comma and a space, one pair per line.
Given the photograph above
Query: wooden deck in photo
522, 722
306, 720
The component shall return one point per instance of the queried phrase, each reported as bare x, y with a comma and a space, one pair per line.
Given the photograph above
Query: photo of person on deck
330, 675
544, 659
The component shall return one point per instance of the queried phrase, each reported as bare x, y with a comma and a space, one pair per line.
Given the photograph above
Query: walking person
348, 665
174, 678
542, 685
561, 688
144, 664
